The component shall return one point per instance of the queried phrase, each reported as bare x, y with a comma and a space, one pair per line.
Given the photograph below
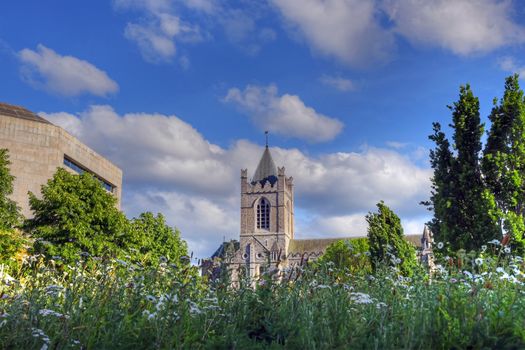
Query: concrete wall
36, 149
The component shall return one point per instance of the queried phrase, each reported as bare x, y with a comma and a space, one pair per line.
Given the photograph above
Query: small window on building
80, 170
263, 214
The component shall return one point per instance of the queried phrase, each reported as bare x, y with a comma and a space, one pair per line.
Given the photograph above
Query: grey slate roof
320, 245
266, 170
20, 112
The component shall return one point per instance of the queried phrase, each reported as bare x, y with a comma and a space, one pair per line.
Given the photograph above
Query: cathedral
267, 238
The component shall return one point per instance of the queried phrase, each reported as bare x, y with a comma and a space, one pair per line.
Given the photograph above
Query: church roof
266, 170
20, 112
312, 245
320, 245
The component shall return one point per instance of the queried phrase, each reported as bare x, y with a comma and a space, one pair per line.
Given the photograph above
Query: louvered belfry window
263, 214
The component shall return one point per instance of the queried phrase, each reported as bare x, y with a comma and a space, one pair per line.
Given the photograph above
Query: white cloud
462, 26
348, 30
509, 64
157, 32
285, 114
170, 167
341, 84
63, 75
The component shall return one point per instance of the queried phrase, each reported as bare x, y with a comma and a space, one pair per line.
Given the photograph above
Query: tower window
263, 214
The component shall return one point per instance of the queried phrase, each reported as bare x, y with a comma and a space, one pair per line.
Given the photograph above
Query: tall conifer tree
504, 160
463, 207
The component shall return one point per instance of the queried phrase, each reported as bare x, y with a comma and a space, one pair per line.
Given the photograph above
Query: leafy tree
504, 160
387, 244
9, 212
464, 209
76, 215
352, 255
152, 238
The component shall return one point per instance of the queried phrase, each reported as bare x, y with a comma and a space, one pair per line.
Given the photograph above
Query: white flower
361, 298
440, 245
323, 286
381, 305
500, 269
507, 250
194, 309
478, 261
483, 247
47, 312
151, 298
494, 241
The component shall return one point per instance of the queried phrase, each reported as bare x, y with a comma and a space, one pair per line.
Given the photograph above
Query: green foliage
349, 255
76, 215
12, 248
387, 245
504, 160
9, 212
465, 212
120, 305
152, 239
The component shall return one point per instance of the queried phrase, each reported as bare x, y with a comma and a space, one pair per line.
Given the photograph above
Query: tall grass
474, 300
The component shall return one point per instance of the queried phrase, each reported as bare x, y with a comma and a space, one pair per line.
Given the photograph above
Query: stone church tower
267, 217
266, 239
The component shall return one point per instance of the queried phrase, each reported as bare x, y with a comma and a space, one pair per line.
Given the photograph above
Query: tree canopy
9, 212
75, 215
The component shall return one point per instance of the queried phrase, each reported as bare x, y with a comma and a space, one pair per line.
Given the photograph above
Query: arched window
263, 214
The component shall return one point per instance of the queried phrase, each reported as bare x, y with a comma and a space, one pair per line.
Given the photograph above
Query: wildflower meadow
470, 300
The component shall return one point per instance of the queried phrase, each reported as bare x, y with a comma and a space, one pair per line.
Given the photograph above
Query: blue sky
178, 94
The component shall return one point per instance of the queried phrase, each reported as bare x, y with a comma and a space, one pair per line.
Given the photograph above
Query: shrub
350, 255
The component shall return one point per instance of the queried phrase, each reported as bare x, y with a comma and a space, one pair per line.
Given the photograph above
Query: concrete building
267, 228
37, 148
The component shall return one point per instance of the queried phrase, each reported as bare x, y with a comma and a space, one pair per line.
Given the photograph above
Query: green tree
152, 238
387, 243
442, 201
464, 209
9, 212
76, 215
504, 159
352, 255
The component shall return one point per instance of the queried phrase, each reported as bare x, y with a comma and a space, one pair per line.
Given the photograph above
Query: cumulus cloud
462, 26
171, 168
286, 114
348, 30
509, 64
341, 84
63, 75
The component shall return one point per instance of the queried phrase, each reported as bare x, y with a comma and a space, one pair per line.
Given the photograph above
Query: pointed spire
266, 170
